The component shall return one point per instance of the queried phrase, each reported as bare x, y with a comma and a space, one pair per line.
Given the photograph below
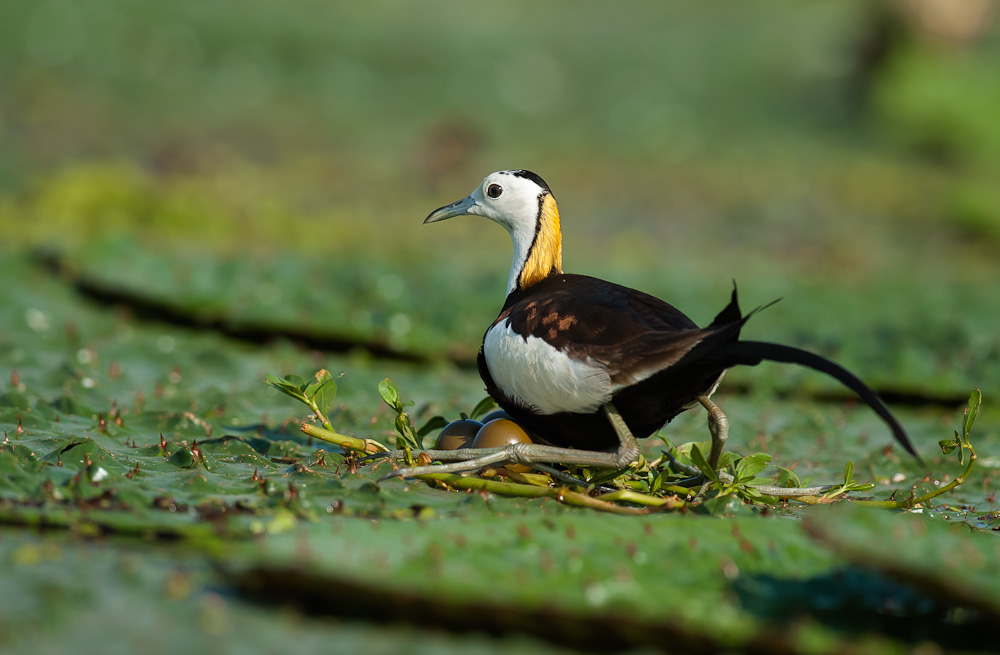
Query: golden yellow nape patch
545, 257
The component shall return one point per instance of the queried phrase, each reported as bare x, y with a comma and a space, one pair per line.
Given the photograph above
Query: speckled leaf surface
190, 203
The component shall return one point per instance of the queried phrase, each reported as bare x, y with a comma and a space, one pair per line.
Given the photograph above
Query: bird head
522, 203
510, 198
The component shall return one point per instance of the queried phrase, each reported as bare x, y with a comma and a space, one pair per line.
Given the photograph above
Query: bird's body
569, 354
565, 346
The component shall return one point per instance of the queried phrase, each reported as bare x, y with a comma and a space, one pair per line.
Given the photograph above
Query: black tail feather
731, 313
751, 353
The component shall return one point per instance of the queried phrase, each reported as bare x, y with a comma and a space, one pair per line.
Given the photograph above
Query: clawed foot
536, 456
497, 457
462, 460
539, 457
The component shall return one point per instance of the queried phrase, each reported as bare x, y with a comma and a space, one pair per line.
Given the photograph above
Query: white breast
542, 377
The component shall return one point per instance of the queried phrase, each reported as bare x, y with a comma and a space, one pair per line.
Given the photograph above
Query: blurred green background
176, 174
271, 164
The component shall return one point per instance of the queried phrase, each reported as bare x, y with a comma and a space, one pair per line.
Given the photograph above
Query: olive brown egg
457, 434
502, 432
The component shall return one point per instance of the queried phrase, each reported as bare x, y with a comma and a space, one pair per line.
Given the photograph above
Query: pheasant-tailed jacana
587, 366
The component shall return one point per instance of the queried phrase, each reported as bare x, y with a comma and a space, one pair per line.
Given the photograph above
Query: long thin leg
628, 447
469, 459
718, 426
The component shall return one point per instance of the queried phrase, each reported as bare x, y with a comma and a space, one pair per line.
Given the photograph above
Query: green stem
583, 500
562, 495
913, 502
319, 414
638, 498
494, 486
367, 446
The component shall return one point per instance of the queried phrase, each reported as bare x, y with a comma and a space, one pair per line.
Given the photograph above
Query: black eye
494, 190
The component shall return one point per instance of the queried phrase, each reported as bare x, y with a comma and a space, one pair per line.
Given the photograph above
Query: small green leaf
325, 395
723, 505
279, 383
435, 423
483, 407
390, 394
318, 380
727, 458
296, 381
284, 387
405, 432
848, 472
702, 464
975, 400
788, 478
750, 466
948, 445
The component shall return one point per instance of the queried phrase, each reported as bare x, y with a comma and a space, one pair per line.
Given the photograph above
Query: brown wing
632, 334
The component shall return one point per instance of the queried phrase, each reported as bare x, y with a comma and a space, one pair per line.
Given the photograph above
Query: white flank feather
542, 377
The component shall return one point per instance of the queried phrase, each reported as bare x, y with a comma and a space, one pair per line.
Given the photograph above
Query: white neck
522, 241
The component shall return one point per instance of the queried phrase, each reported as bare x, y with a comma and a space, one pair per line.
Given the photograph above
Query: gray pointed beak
457, 208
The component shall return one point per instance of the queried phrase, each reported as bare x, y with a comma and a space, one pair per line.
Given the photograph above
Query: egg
495, 414
502, 432
457, 434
